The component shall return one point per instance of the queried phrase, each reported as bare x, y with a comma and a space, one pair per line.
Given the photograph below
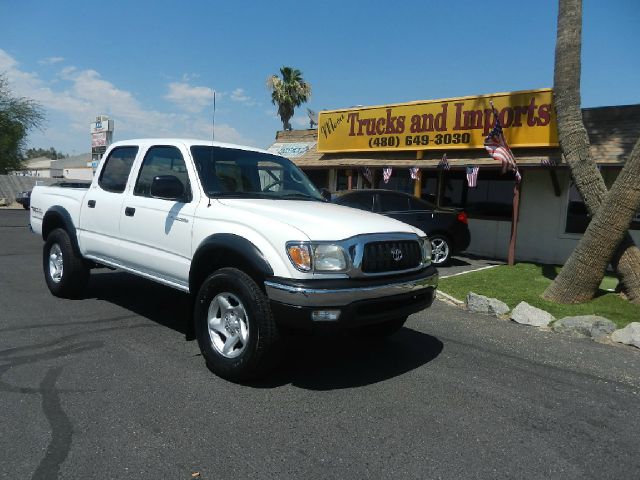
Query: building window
320, 178
429, 185
400, 180
578, 217
492, 198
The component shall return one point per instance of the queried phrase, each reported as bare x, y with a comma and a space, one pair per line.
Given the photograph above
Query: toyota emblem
396, 253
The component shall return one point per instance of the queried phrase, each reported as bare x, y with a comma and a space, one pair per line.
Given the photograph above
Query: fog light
325, 315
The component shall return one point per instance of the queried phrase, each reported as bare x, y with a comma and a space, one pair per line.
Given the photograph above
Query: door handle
91, 204
129, 211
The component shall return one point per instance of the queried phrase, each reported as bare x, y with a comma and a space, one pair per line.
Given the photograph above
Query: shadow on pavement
457, 262
319, 361
166, 306
331, 362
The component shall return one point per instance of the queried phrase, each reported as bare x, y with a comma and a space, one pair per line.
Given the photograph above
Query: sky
153, 66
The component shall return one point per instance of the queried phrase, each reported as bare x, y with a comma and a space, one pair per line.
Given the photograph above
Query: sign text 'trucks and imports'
527, 117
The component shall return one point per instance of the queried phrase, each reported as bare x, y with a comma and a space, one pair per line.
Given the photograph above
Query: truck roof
187, 142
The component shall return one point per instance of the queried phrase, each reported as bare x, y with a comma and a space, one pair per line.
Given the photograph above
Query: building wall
541, 236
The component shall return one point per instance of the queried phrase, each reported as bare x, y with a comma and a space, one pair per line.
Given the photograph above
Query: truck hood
320, 221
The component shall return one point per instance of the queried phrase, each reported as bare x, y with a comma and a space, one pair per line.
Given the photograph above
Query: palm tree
606, 239
288, 92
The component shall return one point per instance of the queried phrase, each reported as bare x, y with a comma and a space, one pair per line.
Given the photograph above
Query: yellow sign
527, 117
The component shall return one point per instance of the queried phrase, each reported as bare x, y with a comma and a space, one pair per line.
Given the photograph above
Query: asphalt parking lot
110, 386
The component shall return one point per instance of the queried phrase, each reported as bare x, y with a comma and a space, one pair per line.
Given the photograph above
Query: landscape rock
4, 202
585, 325
486, 305
529, 315
629, 335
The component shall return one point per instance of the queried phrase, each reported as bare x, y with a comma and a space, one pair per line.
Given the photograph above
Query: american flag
415, 172
497, 146
444, 163
386, 174
366, 173
472, 175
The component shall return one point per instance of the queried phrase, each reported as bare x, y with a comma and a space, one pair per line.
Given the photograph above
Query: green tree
606, 238
18, 115
50, 152
288, 92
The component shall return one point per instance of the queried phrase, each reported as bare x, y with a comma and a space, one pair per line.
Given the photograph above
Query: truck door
158, 231
99, 225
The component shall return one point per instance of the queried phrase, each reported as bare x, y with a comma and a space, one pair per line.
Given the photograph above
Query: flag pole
511, 254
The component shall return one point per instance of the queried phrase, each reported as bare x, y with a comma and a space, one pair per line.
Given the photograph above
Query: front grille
379, 256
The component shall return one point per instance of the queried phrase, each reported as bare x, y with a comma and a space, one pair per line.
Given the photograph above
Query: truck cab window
160, 161
115, 172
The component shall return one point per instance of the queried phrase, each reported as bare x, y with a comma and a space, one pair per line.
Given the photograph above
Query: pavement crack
61, 428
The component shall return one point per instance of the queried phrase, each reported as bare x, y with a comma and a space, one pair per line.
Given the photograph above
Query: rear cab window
116, 169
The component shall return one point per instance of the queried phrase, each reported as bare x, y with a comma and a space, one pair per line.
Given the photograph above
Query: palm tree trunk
583, 272
574, 142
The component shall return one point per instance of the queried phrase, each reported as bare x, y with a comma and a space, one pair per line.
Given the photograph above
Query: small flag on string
498, 149
366, 173
386, 174
472, 175
415, 172
444, 162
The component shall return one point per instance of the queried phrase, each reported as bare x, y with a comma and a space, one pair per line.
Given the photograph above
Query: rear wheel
65, 271
234, 325
440, 250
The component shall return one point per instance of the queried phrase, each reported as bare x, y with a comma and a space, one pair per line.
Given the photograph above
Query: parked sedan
447, 228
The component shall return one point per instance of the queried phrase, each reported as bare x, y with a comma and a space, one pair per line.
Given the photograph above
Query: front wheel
440, 250
234, 325
65, 271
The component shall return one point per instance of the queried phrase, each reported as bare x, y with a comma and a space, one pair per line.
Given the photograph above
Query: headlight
426, 250
329, 258
321, 257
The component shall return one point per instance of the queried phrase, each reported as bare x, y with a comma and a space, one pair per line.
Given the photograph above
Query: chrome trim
354, 249
319, 297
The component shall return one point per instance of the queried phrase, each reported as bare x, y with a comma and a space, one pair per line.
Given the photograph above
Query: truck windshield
227, 172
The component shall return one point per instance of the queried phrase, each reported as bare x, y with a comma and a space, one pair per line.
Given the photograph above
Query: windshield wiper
297, 195
237, 195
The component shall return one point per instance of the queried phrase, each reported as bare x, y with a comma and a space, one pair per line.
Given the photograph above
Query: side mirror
167, 187
326, 194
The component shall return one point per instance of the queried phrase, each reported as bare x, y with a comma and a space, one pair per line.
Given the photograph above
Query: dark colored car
24, 199
447, 228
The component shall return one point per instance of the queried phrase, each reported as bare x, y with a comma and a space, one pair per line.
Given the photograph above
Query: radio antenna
213, 136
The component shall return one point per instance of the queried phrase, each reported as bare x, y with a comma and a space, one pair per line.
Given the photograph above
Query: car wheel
440, 250
381, 330
234, 325
65, 271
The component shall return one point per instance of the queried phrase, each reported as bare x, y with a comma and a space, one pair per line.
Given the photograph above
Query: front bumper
360, 301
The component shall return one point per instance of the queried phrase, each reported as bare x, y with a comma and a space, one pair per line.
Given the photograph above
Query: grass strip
527, 281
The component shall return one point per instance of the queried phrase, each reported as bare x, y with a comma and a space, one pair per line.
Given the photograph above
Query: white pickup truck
246, 234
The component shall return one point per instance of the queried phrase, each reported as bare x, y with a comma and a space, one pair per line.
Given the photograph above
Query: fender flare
62, 215
227, 242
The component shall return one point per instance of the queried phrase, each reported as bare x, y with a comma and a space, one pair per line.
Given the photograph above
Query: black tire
26, 207
381, 330
441, 249
72, 279
250, 310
